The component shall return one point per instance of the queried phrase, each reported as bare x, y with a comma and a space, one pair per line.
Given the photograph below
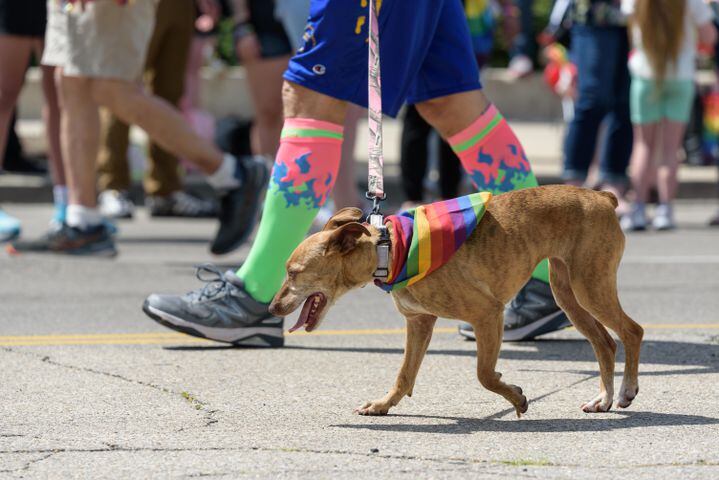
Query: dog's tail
611, 197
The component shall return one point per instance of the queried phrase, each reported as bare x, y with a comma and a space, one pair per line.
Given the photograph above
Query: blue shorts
425, 51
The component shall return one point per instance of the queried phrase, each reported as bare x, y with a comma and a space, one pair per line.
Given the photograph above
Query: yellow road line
164, 338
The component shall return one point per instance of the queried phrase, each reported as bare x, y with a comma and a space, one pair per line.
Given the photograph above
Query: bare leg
419, 333
14, 57
80, 133
301, 102
345, 192
264, 78
51, 115
489, 340
603, 344
642, 163
453, 113
672, 136
159, 119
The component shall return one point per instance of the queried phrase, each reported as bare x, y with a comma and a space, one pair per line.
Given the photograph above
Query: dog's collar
383, 245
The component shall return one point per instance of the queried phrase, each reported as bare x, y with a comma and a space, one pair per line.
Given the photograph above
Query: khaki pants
165, 75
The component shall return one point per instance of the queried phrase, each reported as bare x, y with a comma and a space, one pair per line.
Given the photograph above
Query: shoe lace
215, 282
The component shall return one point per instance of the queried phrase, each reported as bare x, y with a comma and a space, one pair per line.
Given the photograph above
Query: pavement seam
506, 463
193, 401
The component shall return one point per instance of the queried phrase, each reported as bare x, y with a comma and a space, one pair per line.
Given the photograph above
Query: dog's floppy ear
344, 239
343, 217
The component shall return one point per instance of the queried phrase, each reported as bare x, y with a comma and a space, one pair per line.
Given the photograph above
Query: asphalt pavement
90, 387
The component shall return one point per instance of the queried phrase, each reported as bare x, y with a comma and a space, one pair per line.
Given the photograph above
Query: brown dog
575, 228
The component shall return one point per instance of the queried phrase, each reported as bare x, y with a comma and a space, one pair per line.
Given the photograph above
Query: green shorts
651, 104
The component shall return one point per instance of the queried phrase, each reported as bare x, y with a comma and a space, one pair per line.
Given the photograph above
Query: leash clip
376, 202
376, 219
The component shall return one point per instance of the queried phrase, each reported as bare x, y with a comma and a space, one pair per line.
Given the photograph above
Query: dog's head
326, 266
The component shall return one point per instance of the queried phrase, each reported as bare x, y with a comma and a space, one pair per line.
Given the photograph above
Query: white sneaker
520, 66
115, 204
635, 220
664, 217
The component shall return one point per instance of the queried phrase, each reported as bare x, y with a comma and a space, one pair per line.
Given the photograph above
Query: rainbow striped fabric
426, 237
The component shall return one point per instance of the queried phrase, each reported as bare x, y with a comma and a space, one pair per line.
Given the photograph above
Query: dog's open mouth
311, 312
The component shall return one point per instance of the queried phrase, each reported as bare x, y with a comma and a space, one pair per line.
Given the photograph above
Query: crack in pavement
29, 464
208, 413
111, 448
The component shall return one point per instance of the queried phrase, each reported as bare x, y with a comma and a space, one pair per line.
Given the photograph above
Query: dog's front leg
488, 333
419, 333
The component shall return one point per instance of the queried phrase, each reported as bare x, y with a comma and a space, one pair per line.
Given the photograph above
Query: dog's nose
274, 310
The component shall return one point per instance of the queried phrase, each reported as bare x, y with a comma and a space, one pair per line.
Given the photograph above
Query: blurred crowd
624, 70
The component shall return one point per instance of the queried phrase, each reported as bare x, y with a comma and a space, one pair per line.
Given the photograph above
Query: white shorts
105, 40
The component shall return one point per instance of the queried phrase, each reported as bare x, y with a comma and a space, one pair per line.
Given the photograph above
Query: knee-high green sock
302, 178
495, 161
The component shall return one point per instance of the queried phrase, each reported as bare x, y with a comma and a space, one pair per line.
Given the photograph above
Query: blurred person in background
99, 48
22, 30
663, 65
714, 4
166, 60
599, 49
264, 49
524, 45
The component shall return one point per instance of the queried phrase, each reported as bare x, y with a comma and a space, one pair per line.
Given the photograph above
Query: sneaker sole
550, 323
97, 252
245, 337
253, 218
466, 334
6, 237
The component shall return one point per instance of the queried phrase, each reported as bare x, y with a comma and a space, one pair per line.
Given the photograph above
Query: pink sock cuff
477, 130
310, 129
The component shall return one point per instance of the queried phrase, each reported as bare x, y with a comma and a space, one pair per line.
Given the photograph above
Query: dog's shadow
692, 358
616, 420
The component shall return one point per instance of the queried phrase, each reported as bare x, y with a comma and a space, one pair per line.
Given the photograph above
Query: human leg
51, 116
14, 57
346, 193
594, 97
667, 184
303, 175
450, 171
413, 154
617, 148
264, 78
167, 55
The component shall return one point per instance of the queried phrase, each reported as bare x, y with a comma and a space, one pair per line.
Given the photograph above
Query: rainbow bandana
426, 237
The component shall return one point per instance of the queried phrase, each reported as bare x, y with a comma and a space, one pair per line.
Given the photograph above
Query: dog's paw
521, 407
599, 404
372, 408
626, 396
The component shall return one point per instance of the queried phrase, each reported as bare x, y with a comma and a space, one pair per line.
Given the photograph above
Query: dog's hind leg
598, 294
419, 334
603, 344
489, 332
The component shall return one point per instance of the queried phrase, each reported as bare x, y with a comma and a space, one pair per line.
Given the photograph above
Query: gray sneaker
222, 311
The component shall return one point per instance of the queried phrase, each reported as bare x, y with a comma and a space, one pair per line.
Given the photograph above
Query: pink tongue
304, 314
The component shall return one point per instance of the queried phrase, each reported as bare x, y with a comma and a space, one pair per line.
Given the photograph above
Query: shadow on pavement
591, 423
700, 358
162, 240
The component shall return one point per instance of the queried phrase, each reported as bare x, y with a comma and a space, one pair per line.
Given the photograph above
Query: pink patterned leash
375, 181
